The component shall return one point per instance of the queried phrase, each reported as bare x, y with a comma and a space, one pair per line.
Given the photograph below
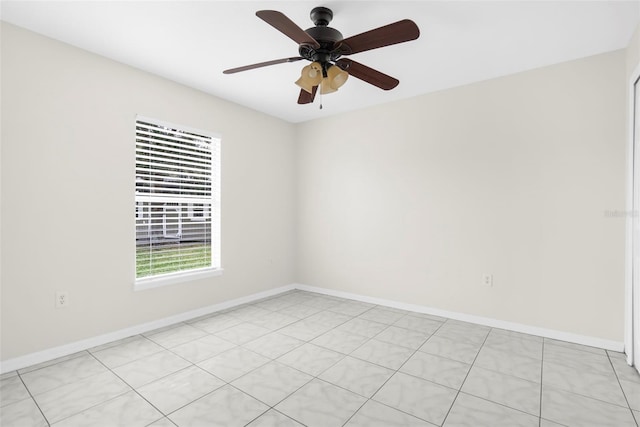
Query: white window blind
177, 199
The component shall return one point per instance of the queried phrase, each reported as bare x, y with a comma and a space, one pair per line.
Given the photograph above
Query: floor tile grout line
66, 384
52, 362
132, 389
390, 407
321, 310
186, 404
208, 335
465, 379
589, 397
574, 346
392, 375
440, 355
98, 404
254, 419
135, 389
133, 360
609, 359
193, 401
224, 383
279, 401
356, 411
46, 420
246, 373
182, 343
297, 421
499, 404
505, 374
269, 406
622, 389
163, 418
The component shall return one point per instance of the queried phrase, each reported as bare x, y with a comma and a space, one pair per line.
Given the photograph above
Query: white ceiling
461, 42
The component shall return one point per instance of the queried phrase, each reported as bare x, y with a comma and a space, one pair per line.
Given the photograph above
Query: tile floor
304, 359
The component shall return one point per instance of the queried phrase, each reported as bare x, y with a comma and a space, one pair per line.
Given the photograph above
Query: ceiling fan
324, 47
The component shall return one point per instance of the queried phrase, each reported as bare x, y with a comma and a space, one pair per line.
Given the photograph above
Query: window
177, 203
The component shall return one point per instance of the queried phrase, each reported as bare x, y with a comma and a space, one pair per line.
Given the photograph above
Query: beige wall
633, 52
415, 200
67, 194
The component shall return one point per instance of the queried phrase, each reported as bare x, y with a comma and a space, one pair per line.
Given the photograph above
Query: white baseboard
494, 323
74, 347
67, 349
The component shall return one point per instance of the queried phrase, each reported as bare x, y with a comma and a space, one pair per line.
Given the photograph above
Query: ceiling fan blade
306, 97
398, 32
287, 27
262, 64
367, 74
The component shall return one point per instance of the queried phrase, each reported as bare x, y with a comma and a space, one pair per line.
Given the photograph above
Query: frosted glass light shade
326, 86
310, 76
337, 77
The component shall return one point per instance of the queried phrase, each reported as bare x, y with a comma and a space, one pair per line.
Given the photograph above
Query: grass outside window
171, 258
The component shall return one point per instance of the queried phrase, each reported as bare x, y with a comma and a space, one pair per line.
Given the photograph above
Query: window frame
213, 214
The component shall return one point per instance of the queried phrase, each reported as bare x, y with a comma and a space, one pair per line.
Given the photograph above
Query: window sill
172, 279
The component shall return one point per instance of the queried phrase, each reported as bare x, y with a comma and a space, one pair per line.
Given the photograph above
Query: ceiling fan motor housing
327, 37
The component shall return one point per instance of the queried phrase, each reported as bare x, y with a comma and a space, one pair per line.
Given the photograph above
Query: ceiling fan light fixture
310, 76
325, 86
337, 77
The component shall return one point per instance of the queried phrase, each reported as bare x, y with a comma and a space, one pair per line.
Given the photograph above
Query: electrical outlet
487, 279
62, 299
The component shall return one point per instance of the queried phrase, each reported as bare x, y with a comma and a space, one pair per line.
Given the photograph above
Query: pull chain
323, 81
